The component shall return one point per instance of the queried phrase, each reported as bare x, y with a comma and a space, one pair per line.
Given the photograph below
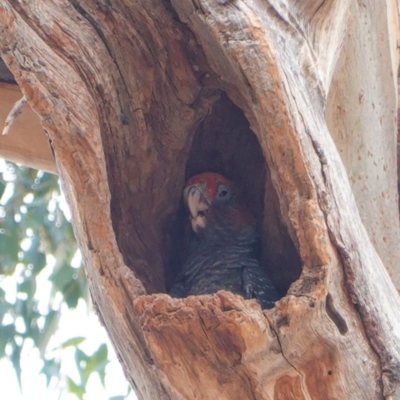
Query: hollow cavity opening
225, 144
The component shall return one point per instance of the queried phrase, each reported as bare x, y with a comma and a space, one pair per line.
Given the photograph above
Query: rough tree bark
136, 96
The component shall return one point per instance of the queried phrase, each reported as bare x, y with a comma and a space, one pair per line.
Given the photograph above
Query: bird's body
223, 244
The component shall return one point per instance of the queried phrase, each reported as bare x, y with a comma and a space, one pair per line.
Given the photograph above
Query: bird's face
206, 194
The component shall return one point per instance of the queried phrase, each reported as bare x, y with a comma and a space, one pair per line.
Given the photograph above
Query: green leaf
34, 256
50, 368
7, 333
52, 235
9, 248
74, 342
16, 361
50, 327
72, 293
4, 305
62, 276
87, 365
27, 286
82, 361
99, 361
101, 354
2, 188
76, 389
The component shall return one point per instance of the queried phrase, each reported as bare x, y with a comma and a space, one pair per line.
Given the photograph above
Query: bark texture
131, 95
362, 116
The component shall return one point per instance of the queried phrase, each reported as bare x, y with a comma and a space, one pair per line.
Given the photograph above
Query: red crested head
210, 181
212, 199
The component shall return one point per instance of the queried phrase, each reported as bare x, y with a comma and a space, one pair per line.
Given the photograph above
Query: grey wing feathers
257, 284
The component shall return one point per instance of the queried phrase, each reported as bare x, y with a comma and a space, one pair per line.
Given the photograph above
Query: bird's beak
197, 202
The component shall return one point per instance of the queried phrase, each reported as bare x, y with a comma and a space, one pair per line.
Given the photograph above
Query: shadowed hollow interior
224, 143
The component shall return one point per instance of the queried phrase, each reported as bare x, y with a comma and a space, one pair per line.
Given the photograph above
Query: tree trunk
137, 96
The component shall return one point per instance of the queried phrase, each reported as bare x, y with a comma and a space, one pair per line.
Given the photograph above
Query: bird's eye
224, 192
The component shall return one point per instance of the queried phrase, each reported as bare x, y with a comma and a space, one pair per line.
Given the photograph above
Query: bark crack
280, 345
101, 35
390, 367
335, 316
318, 8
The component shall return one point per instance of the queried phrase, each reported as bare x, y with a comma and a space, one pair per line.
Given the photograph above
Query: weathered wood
298, 140
119, 177
122, 89
361, 114
26, 142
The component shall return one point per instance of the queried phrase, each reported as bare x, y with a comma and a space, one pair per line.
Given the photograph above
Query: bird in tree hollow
223, 244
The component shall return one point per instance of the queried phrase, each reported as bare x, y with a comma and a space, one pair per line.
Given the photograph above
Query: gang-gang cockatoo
223, 244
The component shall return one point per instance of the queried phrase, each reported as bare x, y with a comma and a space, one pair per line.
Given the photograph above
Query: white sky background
81, 321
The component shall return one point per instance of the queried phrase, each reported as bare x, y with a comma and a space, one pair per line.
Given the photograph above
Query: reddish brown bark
131, 97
